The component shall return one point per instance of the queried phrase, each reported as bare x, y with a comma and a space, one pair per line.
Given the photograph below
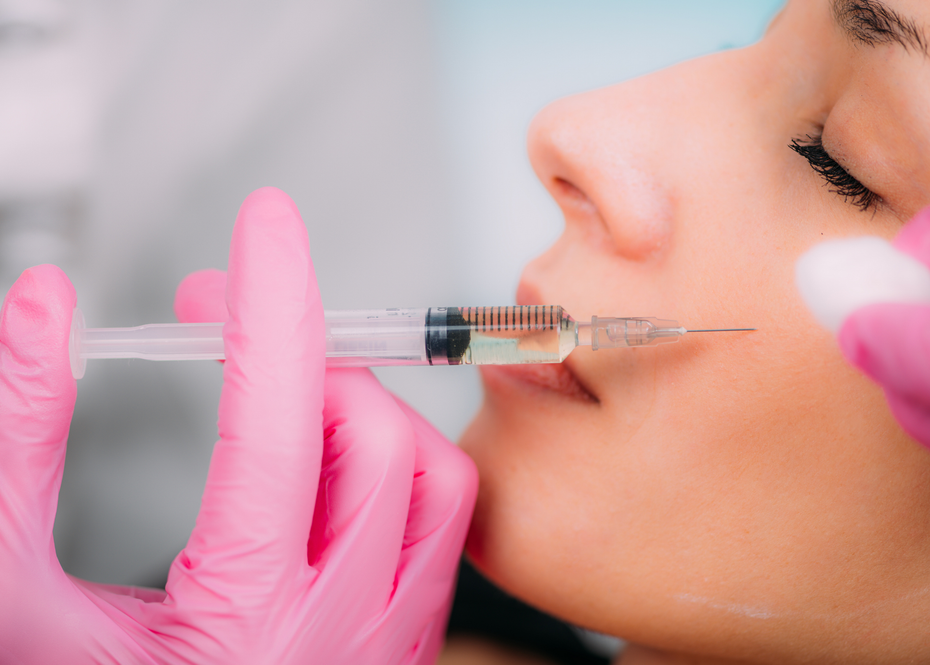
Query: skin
740, 497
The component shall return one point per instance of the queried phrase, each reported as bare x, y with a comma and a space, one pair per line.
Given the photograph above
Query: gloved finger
251, 532
364, 493
891, 344
201, 297
37, 393
445, 487
914, 237
446, 481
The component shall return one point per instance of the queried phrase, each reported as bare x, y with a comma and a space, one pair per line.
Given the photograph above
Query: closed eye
838, 179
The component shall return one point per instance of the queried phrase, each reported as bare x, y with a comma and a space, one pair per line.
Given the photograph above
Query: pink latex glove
333, 516
890, 342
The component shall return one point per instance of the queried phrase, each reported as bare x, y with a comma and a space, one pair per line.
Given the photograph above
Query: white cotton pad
837, 277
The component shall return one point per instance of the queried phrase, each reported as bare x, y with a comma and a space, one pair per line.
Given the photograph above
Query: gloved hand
876, 297
333, 516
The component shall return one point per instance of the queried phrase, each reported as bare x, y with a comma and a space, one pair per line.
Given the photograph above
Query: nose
598, 155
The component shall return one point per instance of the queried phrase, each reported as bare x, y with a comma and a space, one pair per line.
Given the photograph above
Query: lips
552, 378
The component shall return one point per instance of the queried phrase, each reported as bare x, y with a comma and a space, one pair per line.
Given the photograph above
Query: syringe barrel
354, 338
361, 338
378, 337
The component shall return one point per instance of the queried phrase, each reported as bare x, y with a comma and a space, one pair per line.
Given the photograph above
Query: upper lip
527, 294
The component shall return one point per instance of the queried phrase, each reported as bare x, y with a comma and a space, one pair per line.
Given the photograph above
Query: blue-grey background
130, 132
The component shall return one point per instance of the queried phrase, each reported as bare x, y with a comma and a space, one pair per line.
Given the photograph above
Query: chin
517, 441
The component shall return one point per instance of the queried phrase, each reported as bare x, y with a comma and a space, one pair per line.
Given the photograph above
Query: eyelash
838, 179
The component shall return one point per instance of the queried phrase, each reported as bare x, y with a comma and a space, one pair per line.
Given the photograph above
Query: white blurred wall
131, 131
334, 102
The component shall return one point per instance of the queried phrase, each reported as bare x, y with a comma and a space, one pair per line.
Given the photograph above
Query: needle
725, 330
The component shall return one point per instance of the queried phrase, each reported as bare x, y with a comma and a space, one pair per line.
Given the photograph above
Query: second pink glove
891, 342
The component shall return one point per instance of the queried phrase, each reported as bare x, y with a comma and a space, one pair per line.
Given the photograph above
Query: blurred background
131, 131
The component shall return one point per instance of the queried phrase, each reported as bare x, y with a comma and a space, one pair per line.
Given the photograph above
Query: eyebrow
871, 22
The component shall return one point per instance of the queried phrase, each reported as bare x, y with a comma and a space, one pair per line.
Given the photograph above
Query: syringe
378, 337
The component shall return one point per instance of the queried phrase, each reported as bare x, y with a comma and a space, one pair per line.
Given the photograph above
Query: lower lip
555, 379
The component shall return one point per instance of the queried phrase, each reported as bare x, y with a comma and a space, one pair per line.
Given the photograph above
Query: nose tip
592, 157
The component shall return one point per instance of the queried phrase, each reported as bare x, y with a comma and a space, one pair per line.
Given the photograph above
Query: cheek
542, 509
524, 457
743, 484
716, 445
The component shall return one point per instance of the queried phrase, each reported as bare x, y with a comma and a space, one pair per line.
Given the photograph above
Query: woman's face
738, 495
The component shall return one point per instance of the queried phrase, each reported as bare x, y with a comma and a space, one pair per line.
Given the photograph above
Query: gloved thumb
875, 296
890, 343
37, 394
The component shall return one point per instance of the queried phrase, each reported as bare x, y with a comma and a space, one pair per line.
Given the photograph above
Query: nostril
628, 209
567, 194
